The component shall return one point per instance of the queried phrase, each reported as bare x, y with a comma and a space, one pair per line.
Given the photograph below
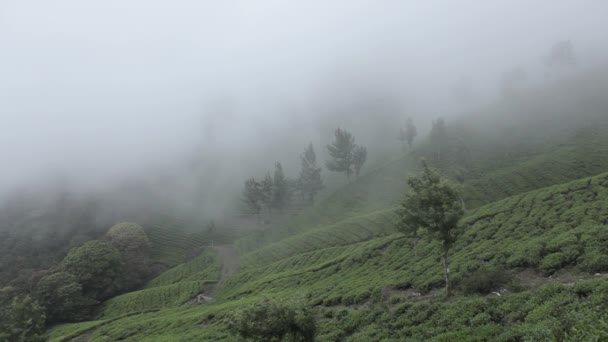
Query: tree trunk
446, 273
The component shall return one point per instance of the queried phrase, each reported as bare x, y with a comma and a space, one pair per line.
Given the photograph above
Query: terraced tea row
206, 266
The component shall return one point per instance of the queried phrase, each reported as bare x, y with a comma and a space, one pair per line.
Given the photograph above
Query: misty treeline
68, 292
276, 192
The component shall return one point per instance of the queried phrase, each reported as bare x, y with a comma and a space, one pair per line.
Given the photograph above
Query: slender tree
402, 137
266, 192
310, 182
433, 209
252, 196
359, 158
439, 137
410, 132
280, 188
341, 152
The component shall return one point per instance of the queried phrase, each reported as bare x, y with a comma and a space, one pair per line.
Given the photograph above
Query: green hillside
557, 229
530, 266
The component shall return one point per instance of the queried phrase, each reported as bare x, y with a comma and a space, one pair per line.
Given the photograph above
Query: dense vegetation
529, 261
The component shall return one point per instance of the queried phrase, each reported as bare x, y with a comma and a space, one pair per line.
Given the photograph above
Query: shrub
61, 296
96, 265
270, 321
485, 280
553, 262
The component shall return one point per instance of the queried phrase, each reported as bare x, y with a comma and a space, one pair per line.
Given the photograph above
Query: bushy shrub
274, 321
594, 262
553, 262
61, 295
96, 265
485, 280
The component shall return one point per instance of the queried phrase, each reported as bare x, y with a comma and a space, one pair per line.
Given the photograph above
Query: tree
433, 209
61, 296
410, 132
128, 237
402, 137
131, 241
561, 55
273, 321
97, 265
252, 197
280, 188
438, 136
341, 152
359, 158
310, 182
266, 192
22, 321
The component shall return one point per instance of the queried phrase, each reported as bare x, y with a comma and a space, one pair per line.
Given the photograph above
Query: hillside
529, 266
557, 231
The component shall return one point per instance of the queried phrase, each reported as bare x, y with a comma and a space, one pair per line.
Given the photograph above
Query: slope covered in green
556, 229
535, 236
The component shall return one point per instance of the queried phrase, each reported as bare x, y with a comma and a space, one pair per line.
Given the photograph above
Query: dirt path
231, 262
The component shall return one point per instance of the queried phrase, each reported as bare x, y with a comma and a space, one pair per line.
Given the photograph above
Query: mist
208, 93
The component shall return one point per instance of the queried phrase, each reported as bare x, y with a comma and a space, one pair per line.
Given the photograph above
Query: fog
210, 92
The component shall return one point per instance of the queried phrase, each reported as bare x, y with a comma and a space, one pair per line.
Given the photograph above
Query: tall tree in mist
359, 158
561, 55
341, 152
410, 132
252, 196
310, 181
433, 209
438, 137
280, 188
266, 192
131, 241
402, 137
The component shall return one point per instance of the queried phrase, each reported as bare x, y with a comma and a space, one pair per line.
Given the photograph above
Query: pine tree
433, 209
252, 197
359, 158
280, 188
310, 182
341, 152
410, 132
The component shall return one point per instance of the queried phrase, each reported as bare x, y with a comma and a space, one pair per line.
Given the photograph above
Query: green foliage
433, 206
410, 131
266, 192
280, 189
206, 266
359, 158
273, 321
153, 298
439, 138
175, 241
61, 296
22, 321
131, 241
310, 181
128, 237
252, 196
485, 280
341, 152
97, 265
